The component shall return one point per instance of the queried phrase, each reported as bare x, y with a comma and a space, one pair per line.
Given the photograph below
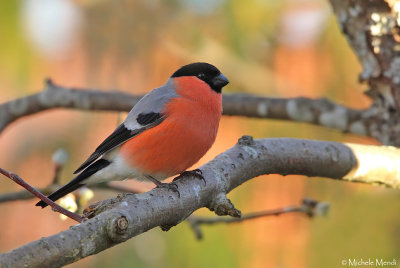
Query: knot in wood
222, 206
246, 140
225, 209
121, 225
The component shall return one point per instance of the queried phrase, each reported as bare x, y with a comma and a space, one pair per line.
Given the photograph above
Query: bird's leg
170, 186
197, 173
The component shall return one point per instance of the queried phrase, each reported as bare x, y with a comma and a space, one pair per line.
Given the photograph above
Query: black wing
119, 136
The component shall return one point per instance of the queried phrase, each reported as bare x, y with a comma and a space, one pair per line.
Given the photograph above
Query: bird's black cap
206, 72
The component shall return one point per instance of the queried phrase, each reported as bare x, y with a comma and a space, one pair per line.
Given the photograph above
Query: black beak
220, 81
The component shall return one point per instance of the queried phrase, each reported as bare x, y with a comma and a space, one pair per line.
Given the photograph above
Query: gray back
153, 102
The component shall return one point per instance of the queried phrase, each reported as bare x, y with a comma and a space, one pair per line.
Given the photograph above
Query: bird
164, 134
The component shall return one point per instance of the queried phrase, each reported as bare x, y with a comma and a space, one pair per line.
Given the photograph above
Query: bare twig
59, 159
25, 195
308, 207
17, 179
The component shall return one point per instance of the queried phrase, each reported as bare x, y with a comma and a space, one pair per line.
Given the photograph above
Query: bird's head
205, 72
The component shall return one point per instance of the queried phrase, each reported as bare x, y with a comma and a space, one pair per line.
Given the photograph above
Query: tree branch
308, 207
59, 97
59, 159
121, 218
25, 195
315, 111
57, 208
372, 29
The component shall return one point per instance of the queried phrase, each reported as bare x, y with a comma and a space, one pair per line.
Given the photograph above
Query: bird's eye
201, 75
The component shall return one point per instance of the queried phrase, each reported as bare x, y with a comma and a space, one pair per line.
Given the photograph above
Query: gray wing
147, 113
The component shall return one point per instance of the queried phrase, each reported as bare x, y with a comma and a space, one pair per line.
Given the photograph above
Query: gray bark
116, 220
372, 30
314, 111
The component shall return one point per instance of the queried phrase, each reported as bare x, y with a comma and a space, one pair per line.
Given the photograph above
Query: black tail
75, 183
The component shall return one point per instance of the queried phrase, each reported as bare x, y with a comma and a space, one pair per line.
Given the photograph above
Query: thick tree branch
372, 29
119, 219
58, 97
315, 111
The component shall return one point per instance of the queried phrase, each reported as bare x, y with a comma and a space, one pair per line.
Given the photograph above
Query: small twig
42, 197
59, 158
309, 207
25, 195
57, 172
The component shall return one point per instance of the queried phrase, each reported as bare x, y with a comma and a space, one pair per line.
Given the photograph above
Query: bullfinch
165, 133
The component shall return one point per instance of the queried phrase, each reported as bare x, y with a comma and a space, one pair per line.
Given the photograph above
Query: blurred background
273, 48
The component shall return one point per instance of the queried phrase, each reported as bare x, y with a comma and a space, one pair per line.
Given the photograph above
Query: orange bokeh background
271, 48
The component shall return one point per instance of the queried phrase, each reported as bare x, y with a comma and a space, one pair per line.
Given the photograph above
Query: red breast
187, 133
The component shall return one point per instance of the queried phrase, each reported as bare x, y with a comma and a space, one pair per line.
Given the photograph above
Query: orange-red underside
185, 135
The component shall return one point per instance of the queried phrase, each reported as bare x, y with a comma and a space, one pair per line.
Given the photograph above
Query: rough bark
119, 219
372, 29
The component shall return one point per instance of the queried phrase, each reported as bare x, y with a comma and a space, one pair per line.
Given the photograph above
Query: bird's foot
197, 173
170, 186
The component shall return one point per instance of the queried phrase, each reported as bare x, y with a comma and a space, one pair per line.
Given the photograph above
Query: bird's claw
170, 186
197, 173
